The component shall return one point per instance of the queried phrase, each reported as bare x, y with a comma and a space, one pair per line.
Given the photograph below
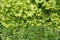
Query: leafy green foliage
29, 20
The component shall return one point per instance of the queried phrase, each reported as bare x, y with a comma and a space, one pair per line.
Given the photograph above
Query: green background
29, 19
